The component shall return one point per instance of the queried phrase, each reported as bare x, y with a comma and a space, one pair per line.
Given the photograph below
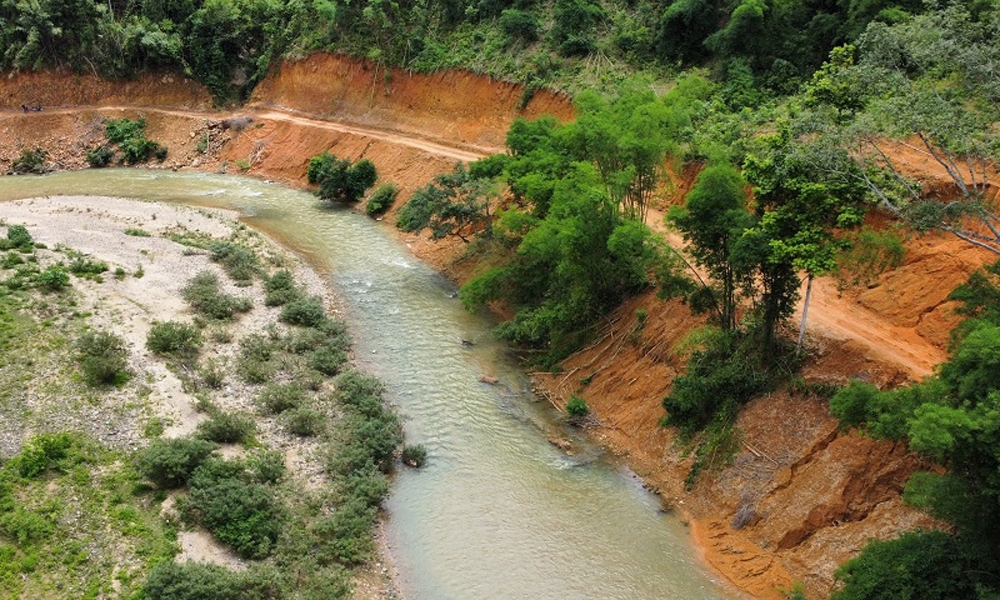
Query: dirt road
465, 153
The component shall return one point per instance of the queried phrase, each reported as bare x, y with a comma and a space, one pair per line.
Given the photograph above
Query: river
498, 513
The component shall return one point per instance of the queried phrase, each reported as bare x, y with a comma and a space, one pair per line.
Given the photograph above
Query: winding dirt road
454, 151
834, 317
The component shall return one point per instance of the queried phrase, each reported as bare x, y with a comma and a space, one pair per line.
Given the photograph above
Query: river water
498, 513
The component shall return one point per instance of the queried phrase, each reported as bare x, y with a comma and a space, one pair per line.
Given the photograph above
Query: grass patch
68, 520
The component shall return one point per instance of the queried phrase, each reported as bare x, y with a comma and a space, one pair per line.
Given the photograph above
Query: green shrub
130, 136
359, 391
257, 346
227, 428
382, 200
84, 267
278, 397
372, 440
577, 407
19, 236
31, 161
205, 296
519, 24
245, 516
307, 312
137, 232
169, 580
53, 278
414, 455
918, 564
328, 584
122, 130
304, 421
213, 373
43, 452
368, 485
722, 376
280, 289
100, 156
328, 359
265, 466
336, 333
25, 526
304, 340
345, 537
169, 463
11, 260
174, 338
238, 262
252, 370
103, 358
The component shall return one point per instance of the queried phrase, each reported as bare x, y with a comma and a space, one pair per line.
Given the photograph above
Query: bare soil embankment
816, 495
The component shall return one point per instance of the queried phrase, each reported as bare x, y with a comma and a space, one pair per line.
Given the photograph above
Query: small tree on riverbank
338, 179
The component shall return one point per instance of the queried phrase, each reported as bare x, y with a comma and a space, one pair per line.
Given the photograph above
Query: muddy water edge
498, 512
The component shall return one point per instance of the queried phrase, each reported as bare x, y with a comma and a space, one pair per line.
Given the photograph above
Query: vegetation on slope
758, 46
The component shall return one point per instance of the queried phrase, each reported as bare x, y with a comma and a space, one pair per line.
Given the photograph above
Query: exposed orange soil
818, 494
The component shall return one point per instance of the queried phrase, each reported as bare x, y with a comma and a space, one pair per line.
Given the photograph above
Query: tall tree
931, 83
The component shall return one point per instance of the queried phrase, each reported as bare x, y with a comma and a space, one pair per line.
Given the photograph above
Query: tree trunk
805, 314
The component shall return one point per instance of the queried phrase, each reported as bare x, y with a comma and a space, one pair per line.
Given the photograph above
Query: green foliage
53, 278
19, 237
169, 463
575, 21
279, 397
239, 262
204, 294
520, 25
382, 199
577, 407
869, 253
31, 161
713, 220
306, 312
227, 428
280, 289
924, 564
45, 452
170, 580
100, 156
130, 137
372, 431
570, 269
86, 268
454, 204
414, 455
328, 359
103, 358
723, 374
304, 422
338, 179
173, 338
244, 515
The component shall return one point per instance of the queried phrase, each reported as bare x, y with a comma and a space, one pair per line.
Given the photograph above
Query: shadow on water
498, 512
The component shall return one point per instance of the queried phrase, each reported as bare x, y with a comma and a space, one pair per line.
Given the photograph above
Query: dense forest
784, 106
758, 47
